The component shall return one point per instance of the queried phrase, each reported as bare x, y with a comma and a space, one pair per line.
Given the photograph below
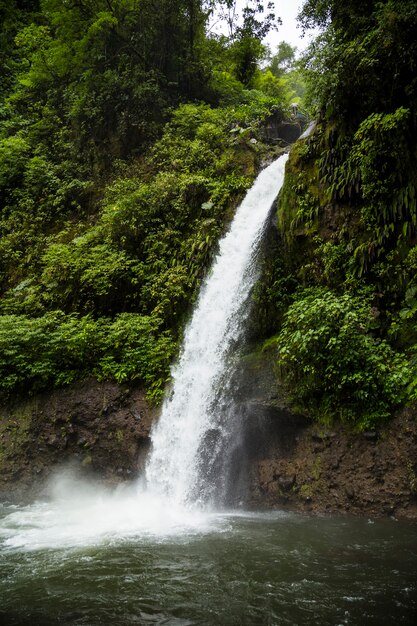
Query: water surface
212, 569
146, 555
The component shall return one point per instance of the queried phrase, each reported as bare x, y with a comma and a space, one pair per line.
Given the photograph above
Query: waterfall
192, 428
194, 441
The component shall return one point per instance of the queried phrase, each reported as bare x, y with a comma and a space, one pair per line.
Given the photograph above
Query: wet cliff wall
100, 429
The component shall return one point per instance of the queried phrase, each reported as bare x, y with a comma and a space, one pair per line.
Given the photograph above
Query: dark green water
235, 569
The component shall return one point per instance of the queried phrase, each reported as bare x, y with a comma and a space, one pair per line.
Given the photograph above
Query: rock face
100, 427
281, 459
294, 463
335, 470
276, 130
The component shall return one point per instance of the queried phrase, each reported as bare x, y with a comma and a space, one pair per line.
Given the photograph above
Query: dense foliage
125, 133
332, 363
348, 217
126, 140
58, 349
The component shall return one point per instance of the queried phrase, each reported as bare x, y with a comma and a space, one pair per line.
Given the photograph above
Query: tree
347, 16
246, 47
364, 61
283, 60
112, 69
14, 14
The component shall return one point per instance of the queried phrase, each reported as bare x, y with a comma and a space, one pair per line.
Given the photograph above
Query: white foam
79, 513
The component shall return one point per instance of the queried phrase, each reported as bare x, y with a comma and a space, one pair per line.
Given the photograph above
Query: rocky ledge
101, 428
334, 470
286, 461
297, 464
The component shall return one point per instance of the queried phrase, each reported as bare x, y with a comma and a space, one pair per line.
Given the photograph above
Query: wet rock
350, 492
286, 482
322, 436
370, 435
87, 460
355, 473
389, 509
58, 427
137, 415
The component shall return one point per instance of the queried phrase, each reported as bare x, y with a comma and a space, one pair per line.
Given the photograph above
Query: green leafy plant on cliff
127, 138
134, 268
367, 96
331, 363
57, 349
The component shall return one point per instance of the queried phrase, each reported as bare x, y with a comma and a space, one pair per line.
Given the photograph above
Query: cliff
96, 428
284, 456
293, 462
330, 383
332, 470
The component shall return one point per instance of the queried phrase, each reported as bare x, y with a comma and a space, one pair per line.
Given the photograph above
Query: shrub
57, 349
134, 348
36, 352
333, 366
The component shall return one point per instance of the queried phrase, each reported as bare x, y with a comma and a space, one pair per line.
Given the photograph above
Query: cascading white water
192, 431
189, 413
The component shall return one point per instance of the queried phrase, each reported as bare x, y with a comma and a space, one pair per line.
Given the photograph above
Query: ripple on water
211, 569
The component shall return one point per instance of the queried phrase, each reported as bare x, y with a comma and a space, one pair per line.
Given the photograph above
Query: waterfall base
291, 463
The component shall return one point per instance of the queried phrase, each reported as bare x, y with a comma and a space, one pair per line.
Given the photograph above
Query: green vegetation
332, 363
125, 146
126, 142
57, 349
346, 339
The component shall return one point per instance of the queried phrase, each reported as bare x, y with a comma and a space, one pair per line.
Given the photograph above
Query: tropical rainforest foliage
125, 131
128, 133
348, 216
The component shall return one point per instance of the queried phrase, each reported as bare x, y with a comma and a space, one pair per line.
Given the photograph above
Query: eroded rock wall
101, 428
335, 470
301, 465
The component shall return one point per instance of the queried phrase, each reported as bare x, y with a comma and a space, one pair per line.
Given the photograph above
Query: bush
14, 153
37, 352
138, 262
57, 349
86, 275
134, 348
333, 366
